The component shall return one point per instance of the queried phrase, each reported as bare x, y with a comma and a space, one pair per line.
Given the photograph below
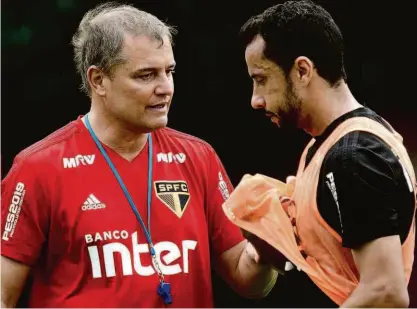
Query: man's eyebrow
150, 68
172, 65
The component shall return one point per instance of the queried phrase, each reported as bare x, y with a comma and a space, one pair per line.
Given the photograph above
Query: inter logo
174, 194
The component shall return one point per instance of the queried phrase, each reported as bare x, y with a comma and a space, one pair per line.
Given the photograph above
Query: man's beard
290, 114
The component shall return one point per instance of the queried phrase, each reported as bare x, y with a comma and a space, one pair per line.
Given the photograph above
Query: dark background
212, 97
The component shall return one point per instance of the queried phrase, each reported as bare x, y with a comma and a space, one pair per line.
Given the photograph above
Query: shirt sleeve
223, 233
364, 192
25, 213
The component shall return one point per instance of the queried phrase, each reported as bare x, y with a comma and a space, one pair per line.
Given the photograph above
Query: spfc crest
174, 194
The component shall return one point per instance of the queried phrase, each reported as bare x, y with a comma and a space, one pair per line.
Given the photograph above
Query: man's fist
263, 252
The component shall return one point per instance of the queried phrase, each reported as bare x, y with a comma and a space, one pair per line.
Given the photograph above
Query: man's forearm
255, 279
365, 296
7, 302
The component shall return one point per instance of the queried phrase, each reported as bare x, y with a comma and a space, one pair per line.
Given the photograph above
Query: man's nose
257, 102
165, 86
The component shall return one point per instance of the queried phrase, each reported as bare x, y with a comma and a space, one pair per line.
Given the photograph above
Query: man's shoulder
364, 157
360, 142
360, 148
350, 144
185, 140
46, 148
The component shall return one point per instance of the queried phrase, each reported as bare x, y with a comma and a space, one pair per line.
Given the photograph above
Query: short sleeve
365, 193
223, 233
25, 213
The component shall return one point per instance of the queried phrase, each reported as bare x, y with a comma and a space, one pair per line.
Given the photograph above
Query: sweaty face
272, 91
140, 90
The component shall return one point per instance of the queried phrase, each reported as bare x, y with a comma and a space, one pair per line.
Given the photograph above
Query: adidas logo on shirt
92, 203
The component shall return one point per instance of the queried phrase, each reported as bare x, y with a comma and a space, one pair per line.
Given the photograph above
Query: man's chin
157, 124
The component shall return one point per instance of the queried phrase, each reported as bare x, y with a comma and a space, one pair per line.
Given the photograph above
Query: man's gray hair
100, 35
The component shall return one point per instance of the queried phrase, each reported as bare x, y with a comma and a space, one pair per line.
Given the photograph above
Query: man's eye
145, 76
260, 80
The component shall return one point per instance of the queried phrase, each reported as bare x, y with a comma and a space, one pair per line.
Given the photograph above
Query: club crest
174, 195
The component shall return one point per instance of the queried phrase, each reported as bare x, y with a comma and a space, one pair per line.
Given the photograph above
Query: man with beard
351, 213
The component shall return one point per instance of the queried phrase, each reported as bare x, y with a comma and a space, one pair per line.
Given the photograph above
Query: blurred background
212, 96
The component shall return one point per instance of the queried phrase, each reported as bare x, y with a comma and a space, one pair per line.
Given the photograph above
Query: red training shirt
64, 213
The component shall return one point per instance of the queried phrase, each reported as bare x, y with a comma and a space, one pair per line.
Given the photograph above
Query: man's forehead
146, 43
142, 48
254, 54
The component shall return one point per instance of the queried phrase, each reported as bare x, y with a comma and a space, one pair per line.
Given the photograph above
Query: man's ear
95, 78
304, 69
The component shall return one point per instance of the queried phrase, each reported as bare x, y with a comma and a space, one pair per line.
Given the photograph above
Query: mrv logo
170, 157
78, 160
174, 259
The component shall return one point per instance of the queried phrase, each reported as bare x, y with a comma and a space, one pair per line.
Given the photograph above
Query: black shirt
374, 196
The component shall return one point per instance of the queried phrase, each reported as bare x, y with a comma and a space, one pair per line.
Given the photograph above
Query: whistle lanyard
163, 286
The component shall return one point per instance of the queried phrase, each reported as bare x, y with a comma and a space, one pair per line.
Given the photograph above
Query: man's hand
262, 252
240, 268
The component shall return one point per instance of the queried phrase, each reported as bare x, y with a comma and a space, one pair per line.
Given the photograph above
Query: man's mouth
158, 106
274, 118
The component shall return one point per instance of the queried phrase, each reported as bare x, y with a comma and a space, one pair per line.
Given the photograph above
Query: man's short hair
299, 28
100, 36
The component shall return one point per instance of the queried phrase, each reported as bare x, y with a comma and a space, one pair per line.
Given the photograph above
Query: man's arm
234, 259
382, 282
13, 279
240, 267
24, 226
373, 215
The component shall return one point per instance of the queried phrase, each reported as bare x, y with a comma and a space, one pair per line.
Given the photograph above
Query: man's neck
328, 105
127, 143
